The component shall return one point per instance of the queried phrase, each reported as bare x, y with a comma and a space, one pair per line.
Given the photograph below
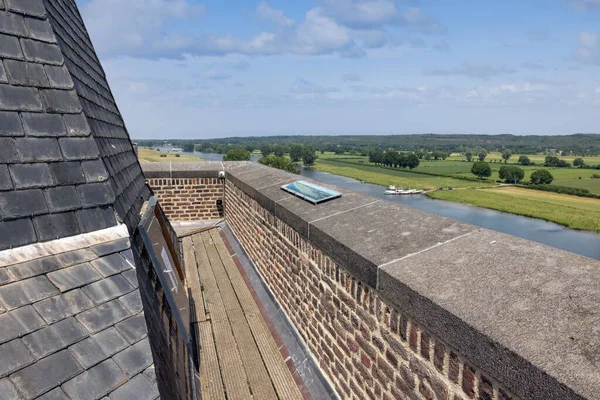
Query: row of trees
511, 174
394, 159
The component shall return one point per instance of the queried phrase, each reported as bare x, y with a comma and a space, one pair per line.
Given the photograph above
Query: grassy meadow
149, 155
573, 212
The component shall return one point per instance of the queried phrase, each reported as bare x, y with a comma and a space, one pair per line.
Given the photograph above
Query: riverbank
570, 211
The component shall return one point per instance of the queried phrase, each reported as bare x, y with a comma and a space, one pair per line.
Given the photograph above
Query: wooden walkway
239, 358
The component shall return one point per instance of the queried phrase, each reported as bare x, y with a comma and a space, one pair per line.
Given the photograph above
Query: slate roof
72, 323
67, 165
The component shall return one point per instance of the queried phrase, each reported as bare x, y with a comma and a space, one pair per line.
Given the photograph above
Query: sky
218, 68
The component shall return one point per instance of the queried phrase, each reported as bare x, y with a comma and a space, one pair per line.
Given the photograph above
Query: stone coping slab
525, 313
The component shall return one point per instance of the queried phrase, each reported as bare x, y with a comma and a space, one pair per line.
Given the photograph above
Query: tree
376, 156
266, 149
482, 154
541, 177
412, 161
578, 162
296, 152
506, 155
282, 163
279, 150
308, 155
237, 154
511, 174
481, 169
469, 155
188, 147
524, 160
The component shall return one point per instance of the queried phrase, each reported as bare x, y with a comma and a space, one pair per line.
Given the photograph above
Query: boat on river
393, 190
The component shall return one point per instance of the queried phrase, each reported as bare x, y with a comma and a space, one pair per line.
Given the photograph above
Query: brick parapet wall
367, 348
188, 199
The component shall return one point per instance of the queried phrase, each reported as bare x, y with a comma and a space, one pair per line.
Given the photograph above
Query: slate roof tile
103, 316
96, 382
38, 149
63, 198
96, 194
40, 29
115, 246
8, 391
5, 180
10, 47
133, 301
3, 77
16, 233
111, 264
66, 173
5, 277
35, 267
23, 73
135, 359
17, 98
55, 226
107, 289
14, 356
10, 125
60, 101
37, 124
79, 148
76, 257
55, 337
26, 291
73, 277
22, 203
98, 347
59, 77
27, 176
12, 24
138, 387
131, 277
28, 7
133, 329
94, 171
93, 219
42, 52
8, 150
46, 374
18, 323
62, 306
55, 394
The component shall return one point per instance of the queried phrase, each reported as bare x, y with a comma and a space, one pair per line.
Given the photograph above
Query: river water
579, 242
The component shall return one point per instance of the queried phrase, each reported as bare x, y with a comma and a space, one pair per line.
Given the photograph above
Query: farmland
150, 155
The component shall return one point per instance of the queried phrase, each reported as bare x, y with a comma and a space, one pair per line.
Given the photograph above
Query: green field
386, 177
459, 167
573, 212
150, 155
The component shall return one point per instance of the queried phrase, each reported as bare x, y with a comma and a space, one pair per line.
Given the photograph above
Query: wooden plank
211, 383
232, 371
198, 314
279, 372
258, 377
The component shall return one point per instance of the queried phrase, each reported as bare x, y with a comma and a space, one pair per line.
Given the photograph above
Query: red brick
468, 381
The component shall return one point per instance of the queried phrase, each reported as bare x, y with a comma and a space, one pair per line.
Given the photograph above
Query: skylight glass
310, 192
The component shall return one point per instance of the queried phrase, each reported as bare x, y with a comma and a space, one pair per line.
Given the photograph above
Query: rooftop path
239, 355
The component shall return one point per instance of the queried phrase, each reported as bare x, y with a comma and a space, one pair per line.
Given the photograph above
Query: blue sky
201, 69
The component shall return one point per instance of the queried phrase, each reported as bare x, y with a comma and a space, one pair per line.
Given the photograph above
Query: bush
163, 155
177, 155
541, 177
595, 176
237, 154
282, 163
563, 190
511, 174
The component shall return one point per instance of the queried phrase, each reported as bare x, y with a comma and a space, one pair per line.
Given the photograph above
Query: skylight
310, 192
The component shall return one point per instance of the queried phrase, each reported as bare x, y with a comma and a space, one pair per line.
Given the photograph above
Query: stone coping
525, 313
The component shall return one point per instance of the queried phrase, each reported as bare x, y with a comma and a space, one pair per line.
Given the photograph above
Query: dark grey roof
72, 324
67, 165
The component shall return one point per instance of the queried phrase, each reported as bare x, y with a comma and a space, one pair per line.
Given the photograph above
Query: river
551, 234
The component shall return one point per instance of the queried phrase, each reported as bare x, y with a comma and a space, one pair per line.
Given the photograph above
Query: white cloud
320, 34
215, 75
265, 12
302, 86
242, 65
471, 70
597, 90
589, 48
